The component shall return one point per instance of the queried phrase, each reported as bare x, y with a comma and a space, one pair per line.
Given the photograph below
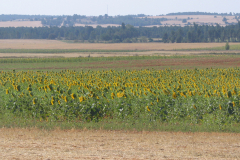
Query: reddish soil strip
199, 62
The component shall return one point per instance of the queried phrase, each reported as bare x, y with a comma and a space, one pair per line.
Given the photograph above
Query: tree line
128, 33
203, 13
205, 33
67, 20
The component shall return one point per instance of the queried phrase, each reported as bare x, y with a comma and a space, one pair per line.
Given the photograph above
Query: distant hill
203, 13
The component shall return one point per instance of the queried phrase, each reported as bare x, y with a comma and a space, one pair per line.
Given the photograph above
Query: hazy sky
115, 7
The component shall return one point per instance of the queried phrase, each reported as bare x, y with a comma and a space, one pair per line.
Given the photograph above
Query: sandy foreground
91, 144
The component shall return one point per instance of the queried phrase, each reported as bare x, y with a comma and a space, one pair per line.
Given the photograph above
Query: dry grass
85, 144
150, 48
106, 54
21, 24
54, 44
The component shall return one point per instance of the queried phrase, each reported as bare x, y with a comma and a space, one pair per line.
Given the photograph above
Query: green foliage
124, 33
224, 19
167, 96
184, 21
201, 13
227, 46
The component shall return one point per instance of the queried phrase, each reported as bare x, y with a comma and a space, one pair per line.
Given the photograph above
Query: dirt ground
86, 144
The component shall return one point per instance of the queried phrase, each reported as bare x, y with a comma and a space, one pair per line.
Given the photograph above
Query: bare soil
100, 144
174, 63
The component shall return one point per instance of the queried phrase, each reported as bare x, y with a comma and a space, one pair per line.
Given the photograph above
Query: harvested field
21, 24
54, 44
87, 144
198, 19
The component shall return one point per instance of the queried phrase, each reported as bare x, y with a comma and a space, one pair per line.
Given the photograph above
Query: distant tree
123, 25
224, 19
52, 36
189, 37
173, 36
179, 39
165, 38
184, 21
106, 16
134, 40
127, 40
143, 39
105, 37
179, 36
150, 39
227, 47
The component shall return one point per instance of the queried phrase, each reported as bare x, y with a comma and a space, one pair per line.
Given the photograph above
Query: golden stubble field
198, 19
100, 144
140, 49
55, 44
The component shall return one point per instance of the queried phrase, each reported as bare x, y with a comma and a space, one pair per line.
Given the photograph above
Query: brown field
198, 19
55, 44
173, 63
169, 63
140, 49
91, 144
21, 24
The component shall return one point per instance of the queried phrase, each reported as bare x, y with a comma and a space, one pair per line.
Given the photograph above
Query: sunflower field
194, 95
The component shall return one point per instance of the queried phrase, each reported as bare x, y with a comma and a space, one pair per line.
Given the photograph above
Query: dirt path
85, 144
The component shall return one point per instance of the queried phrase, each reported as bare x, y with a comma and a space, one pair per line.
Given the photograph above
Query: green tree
173, 36
227, 46
165, 38
150, 39
224, 19
184, 21
123, 25
143, 39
